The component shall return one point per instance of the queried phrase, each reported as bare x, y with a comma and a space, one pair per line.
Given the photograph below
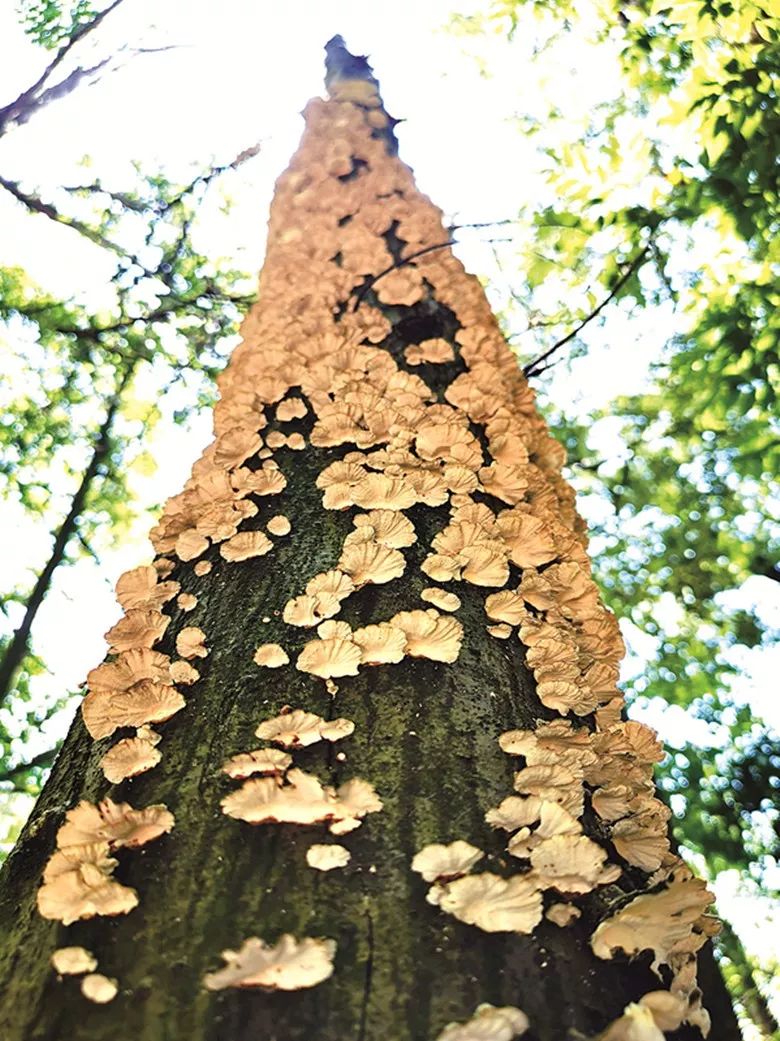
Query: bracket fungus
430, 634
572, 864
184, 673
77, 880
649, 1019
127, 669
386, 527
140, 588
259, 761
73, 961
118, 824
279, 525
104, 712
325, 857
514, 812
441, 598
438, 863
289, 964
562, 914
139, 627
295, 728
271, 656
191, 544
488, 1023
321, 600
77, 884
244, 545
131, 756
330, 658
435, 352
291, 408
667, 922
99, 988
191, 642
381, 644
371, 562
492, 903
302, 799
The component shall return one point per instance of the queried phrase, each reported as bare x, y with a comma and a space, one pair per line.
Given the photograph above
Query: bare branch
20, 110
533, 367
361, 293
87, 547
61, 89
483, 224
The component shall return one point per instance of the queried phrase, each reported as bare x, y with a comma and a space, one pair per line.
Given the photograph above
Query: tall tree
449, 821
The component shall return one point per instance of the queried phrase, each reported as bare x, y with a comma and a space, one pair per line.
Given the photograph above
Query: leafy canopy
663, 200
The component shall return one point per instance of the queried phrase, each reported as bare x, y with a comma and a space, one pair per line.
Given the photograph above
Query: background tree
87, 386
374, 401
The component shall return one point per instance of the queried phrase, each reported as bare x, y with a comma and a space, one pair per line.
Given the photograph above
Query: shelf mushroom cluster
285, 794
77, 961
78, 880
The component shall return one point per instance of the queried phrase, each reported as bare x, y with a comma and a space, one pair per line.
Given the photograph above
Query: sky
238, 73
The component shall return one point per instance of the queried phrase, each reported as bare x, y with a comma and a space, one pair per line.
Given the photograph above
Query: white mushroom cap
494, 904
327, 857
73, 961
99, 988
488, 1024
289, 964
437, 862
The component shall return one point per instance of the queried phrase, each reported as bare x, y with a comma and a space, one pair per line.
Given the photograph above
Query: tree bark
425, 736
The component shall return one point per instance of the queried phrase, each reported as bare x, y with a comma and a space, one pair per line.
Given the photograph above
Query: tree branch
532, 368
17, 648
361, 293
61, 89
36, 205
29, 101
749, 994
43, 759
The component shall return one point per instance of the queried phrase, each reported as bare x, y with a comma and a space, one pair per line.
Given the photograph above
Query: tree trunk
425, 730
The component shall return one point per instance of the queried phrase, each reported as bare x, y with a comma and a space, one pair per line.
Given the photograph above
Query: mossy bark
425, 737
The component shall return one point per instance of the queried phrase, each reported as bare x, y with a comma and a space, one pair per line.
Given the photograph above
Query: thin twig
484, 224
361, 293
532, 368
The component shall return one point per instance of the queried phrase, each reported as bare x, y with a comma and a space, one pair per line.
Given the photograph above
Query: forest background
608, 168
